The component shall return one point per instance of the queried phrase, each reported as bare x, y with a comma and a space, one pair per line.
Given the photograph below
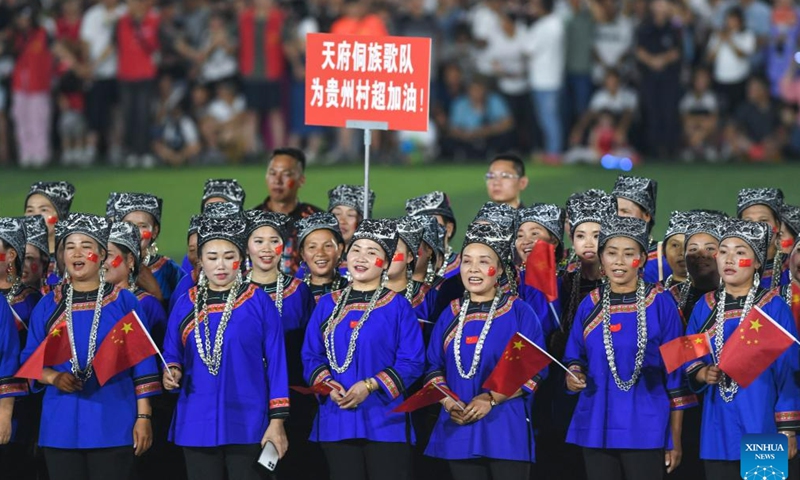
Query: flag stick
776, 324
19, 320
158, 352
659, 257
710, 347
448, 396
555, 315
549, 356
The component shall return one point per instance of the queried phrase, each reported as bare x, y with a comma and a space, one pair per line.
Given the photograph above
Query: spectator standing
783, 42
217, 54
580, 35
176, 141
506, 54
613, 40
97, 33
790, 93
30, 86
659, 52
730, 51
699, 113
71, 70
546, 50
138, 45
299, 132
262, 66
224, 124
443, 96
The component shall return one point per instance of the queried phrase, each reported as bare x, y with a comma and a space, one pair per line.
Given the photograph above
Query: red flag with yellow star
684, 349
428, 395
53, 350
521, 360
127, 344
757, 342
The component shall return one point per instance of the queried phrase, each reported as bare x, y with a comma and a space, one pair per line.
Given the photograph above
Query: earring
102, 275
131, 281
384, 278
201, 279
248, 265
239, 276
10, 274
756, 279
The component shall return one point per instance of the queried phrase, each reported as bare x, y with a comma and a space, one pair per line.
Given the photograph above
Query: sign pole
368, 127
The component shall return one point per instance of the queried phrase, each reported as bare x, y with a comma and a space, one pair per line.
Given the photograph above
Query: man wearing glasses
506, 179
285, 175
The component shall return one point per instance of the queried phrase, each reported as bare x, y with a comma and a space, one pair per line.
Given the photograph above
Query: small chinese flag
521, 360
540, 269
127, 344
684, 349
54, 350
428, 395
318, 389
757, 342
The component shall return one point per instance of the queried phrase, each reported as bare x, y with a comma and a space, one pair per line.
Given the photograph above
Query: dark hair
295, 153
736, 12
519, 165
548, 5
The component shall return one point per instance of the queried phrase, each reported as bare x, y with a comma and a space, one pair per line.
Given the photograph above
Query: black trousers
362, 460
234, 462
617, 464
89, 464
488, 469
136, 98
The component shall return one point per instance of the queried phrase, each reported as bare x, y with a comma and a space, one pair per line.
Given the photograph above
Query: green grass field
680, 187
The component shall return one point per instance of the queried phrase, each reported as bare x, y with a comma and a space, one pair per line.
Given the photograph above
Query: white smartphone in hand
269, 457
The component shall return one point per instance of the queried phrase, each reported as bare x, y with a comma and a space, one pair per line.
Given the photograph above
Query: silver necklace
777, 270
476, 356
336, 317
213, 358
641, 336
409, 285
85, 374
728, 386
12, 292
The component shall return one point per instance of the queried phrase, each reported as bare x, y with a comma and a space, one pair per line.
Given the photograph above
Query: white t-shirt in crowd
97, 31
625, 99
705, 102
184, 129
612, 41
509, 54
485, 23
546, 49
223, 111
729, 67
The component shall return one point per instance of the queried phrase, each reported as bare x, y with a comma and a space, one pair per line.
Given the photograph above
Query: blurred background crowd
142, 83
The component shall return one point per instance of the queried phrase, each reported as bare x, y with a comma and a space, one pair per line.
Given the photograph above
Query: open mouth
78, 265
589, 255
729, 271
475, 280
618, 272
322, 263
266, 259
360, 268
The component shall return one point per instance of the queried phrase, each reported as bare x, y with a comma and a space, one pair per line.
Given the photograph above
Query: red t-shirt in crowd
137, 45
368, 25
68, 30
275, 62
33, 69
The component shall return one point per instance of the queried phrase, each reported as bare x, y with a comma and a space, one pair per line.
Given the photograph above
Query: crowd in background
148, 82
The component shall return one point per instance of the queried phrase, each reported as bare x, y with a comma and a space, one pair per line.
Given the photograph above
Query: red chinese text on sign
367, 78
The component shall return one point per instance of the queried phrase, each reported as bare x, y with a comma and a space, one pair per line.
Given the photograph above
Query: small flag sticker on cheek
635, 263
492, 272
398, 257
746, 262
236, 265
116, 262
379, 262
92, 257
787, 243
279, 250
52, 220
147, 234
34, 268
2, 257
291, 183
